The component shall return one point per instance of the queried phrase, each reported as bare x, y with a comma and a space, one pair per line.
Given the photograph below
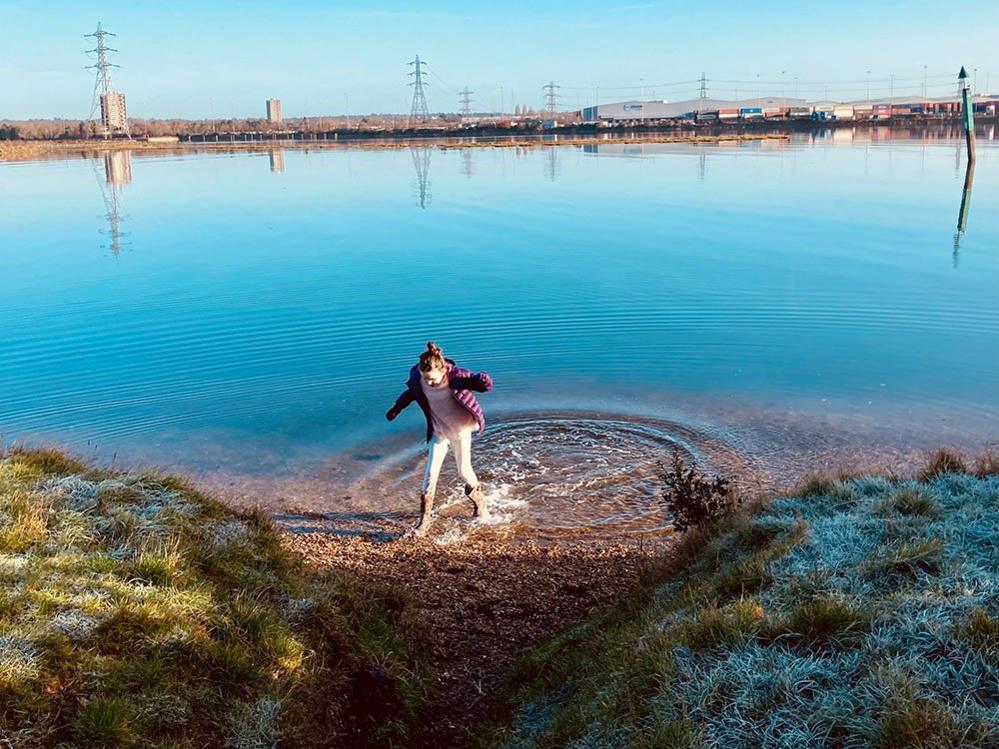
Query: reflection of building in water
277, 160
421, 162
117, 174
118, 168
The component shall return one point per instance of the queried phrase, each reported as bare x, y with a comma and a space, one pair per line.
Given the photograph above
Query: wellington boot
475, 494
426, 510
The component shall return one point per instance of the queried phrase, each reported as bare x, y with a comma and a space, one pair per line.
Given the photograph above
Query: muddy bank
483, 602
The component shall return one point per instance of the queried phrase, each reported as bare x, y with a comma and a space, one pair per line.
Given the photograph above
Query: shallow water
769, 307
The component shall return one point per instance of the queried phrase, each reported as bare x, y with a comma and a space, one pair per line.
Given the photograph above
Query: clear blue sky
222, 59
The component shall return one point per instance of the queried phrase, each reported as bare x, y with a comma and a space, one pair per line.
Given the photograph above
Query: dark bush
691, 497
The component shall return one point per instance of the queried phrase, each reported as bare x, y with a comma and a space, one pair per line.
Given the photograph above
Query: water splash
552, 475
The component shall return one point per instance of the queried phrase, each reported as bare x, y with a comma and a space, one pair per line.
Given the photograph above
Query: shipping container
750, 112
843, 113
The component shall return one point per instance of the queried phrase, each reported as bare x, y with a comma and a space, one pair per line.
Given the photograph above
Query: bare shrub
691, 497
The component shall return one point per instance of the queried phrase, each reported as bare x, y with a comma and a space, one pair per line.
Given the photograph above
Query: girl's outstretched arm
479, 381
400, 403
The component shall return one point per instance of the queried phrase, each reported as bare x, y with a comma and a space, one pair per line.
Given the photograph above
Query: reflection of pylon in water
551, 163
466, 162
117, 173
421, 160
702, 162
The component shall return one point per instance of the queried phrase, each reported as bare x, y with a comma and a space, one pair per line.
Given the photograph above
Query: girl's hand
391, 413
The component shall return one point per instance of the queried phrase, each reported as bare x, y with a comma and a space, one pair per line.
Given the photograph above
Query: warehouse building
662, 110
784, 106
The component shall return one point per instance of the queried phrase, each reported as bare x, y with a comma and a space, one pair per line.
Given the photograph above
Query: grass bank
859, 613
135, 611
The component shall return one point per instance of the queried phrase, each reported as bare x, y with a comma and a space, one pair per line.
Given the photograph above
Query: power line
419, 109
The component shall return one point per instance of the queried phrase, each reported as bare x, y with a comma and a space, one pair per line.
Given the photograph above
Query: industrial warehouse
780, 107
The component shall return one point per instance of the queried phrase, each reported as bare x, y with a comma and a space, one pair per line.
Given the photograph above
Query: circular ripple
552, 475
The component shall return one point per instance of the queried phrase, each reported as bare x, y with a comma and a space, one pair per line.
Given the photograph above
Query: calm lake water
769, 307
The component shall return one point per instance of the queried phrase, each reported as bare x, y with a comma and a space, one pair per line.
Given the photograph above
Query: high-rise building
274, 111
113, 116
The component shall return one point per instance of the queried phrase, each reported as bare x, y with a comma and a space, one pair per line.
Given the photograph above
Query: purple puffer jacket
461, 381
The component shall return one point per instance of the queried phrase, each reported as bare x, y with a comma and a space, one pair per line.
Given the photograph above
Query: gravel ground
484, 600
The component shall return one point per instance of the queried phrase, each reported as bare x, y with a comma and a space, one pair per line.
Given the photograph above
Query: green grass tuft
943, 461
910, 501
733, 624
982, 631
104, 724
674, 734
815, 486
910, 560
823, 620
987, 463
916, 724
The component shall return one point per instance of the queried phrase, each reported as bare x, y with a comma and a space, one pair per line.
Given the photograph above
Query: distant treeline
59, 129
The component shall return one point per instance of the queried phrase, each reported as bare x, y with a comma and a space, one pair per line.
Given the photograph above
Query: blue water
253, 320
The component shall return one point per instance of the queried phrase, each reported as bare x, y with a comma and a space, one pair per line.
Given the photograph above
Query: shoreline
29, 150
484, 137
481, 609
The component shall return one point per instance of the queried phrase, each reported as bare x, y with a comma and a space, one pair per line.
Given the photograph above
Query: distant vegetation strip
18, 150
860, 612
135, 611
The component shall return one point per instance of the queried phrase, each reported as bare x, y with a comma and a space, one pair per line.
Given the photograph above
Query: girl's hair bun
432, 357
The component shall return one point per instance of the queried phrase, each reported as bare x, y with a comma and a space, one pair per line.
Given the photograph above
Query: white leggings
462, 458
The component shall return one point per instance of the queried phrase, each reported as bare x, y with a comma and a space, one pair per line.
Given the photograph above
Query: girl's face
434, 377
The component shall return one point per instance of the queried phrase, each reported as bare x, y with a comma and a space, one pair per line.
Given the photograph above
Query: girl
444, 392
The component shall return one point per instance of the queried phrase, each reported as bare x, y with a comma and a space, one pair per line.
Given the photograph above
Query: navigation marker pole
969, 114
969, 174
